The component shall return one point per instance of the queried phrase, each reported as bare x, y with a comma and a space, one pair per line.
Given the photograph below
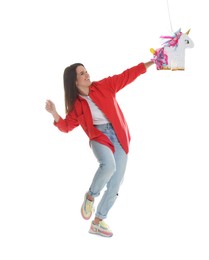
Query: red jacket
103, 93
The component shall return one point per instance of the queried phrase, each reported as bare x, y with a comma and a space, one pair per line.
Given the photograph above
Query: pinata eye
187, 42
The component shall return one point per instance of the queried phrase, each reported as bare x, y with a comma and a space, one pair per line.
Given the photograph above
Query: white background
162, 210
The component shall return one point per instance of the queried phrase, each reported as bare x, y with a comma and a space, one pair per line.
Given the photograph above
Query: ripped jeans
110, 172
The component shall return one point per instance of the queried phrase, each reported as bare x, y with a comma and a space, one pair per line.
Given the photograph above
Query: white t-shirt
98, 116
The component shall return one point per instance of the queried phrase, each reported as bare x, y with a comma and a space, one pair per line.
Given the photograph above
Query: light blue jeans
110, 173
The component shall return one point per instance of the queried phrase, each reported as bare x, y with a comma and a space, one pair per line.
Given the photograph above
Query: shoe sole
82, 214
99, 233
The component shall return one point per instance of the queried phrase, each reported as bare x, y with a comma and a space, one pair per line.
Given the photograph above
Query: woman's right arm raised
50, 107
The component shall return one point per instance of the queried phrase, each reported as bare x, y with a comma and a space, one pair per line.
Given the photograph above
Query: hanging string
169, 17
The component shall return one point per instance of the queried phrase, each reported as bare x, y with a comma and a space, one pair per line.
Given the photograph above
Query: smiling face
83, 80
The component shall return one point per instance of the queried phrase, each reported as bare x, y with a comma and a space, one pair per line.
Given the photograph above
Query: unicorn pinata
172, 55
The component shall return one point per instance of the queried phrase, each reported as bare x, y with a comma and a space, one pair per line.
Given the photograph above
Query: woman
94, 107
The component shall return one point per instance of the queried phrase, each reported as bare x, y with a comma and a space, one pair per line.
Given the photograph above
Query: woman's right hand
50, 107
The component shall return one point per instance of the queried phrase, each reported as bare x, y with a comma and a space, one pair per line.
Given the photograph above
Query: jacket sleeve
68, 124
117, 82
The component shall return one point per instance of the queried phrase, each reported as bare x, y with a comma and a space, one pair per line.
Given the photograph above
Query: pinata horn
188, 31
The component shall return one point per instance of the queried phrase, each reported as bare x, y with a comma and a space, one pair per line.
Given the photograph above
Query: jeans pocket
101, 128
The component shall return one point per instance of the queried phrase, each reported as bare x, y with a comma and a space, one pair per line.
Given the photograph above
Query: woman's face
83, 78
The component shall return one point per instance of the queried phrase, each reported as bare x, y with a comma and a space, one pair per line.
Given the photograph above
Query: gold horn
188, 31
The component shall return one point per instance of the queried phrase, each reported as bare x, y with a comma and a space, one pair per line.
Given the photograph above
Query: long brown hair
70, 89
